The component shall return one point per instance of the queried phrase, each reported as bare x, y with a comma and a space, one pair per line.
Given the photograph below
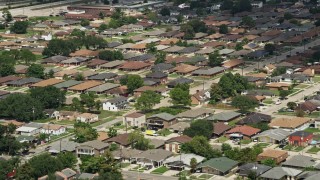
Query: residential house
65, 145
134, 66
53, 129
224, 116
82, 87
273, 136
112, 64
103, 88
92, 148
278, 86
199, 113
160, 76
160, 121
200, 97
246, 169
23, 82
66, 84
219, 129
291, 124
88, 176
277, 155
278, 173
67, 115
308, 107
126, 155
6, 79
177, 81
47, 82
66, 174
184, 69
173, 144
134, 120
218, 166
208, 72
103, 76
300, 138
242, 132
300, 162
115, 104
121, 139
255, 118
153, 157
182, 162
87, 117
96, 63
179, 127
28, 131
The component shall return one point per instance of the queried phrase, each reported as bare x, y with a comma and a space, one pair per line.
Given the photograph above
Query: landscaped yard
205, 176
160, 170
293, 148
65, 122
268, 101
316, 79
313, 150
312, 130
164, 132
263, 145
124, 165
302, 86
245, 141
222, 139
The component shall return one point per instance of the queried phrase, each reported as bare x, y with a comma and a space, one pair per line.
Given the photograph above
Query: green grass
164, 132
313, 150
222, 139
43, 120
124, 165
293, 148
160, 170
65, 122
233, 122
316, 79
302, 86
312, 130
299, 148
263, 145
54, 137
245, 141
102, 121
288, 147
205, 176
268, 101
107, 114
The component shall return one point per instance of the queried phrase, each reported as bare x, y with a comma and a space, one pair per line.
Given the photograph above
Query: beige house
134, 119
92, 148
173, 144
88, 118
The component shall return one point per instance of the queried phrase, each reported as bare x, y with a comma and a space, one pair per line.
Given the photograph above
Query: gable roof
280, 172
222, 164
272, 153
179, 139
122, 139
289, 123
47, 82
277, 134
299, 161
194, 113
164, 116
219, 128
85, 85
255, 167
255, 118
96, 144
224, 116
245, 130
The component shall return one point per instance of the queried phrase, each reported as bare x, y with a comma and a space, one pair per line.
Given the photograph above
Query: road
130, 175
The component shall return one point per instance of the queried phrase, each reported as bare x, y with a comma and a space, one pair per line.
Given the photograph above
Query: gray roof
103, 87
96, 144
210, 71
255, 167
280, 172
164, 116
162, 67
224, 116
180, 81
126, 153
117, 99
299, 161
315, 176
102, 76
24, 81
74, 60
189, 50
173, 49
156, 74
66, 145
67, 84
155, 154
194, 113
87, 176
277, 134
68, 172
185, 158
222, 164
112, 64
180, 126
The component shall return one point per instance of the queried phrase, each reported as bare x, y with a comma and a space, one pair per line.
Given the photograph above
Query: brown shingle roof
120, 139
220, 127
272, 153
85, 85
47, 82
9, 78
289, 123
134, 65
245, 130
180, 139
134, 115
185, 68
84, 53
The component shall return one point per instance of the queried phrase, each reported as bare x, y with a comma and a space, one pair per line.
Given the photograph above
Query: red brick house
242, 132
300, 138
173, 144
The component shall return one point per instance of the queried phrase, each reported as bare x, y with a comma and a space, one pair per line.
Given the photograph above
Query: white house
115, 104
53, 129
257, 4
28, 131
47, 37
88, 118
134, 119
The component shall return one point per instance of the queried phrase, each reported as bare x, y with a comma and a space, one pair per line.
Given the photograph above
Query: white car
278, 102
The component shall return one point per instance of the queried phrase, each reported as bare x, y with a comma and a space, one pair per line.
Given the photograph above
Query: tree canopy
147, 100
199, 145
132, 81
84, 132
19, 27
231, 85
180, 95
215, 59
50, 96
138, 141
244, 103
110, 55
199, 128
35, 70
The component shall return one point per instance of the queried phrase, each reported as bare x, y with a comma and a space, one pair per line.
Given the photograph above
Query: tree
84, 132
79, 77
49, 96
88, 99
110, 55
112, 132
284, 93
269, 162
78, 33
215, 59
62, 47
115, 1
248, 21
244, 155
241, 5
165, 11
27, 56
35, 70
188, 31
77, 105
232, 85
292, 105
106, 2
317, 23
199, 145
68, 159
215, 93
151, 48
199, 128
24, 172
278, 71
21, 107
270, 48
193, 164
300, 113
226, 5
161, 57
223, 29
252, 175
102, 27
180, 95
49, 75
287, 16
147, 100
134, 82
244, 103
19, 27
138, 141
101, 15
84, 22
7, 15
6, 70
226, 147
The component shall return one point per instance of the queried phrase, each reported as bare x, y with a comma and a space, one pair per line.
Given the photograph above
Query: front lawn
316, 79
268, 101
245, 141
160, 170
313, 150
164, 132
312, 130
222, 139
301, 86
299, 148
205, 176
263, 145
293, 148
